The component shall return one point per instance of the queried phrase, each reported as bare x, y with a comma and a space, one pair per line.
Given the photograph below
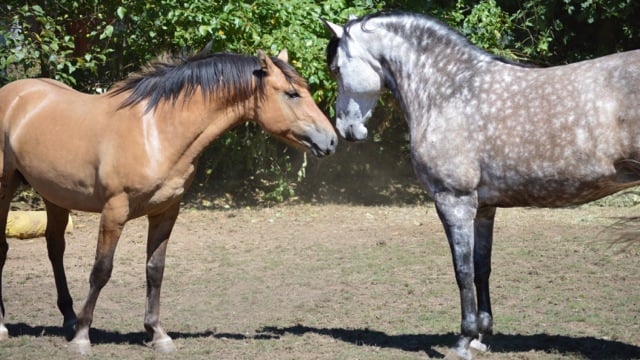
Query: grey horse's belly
553, 191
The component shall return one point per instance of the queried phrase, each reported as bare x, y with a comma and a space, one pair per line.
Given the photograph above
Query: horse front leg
457, 213
114, 216
57, 219
483, 242
160, 227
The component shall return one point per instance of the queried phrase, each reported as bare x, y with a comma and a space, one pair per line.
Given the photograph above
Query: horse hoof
478, 346
82, 347
458, 354
70, 323
4, 333
69, 327
164, 345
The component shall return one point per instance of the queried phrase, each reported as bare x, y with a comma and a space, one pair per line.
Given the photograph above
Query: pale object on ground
29, 224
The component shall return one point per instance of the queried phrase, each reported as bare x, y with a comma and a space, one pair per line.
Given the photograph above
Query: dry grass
340, 282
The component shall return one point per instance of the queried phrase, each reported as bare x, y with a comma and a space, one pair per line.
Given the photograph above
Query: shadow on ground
586, 347
99, 336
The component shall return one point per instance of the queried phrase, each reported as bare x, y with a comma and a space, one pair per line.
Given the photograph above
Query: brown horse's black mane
235, 77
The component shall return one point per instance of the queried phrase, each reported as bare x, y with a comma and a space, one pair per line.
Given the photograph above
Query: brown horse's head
264, 89
287, 110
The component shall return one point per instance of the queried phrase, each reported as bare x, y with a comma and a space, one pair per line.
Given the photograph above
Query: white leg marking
4, 333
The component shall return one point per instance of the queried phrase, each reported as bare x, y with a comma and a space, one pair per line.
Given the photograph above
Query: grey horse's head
360, 79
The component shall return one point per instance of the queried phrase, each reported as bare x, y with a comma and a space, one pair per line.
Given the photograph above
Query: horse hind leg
483, 240
8, 186
57, 219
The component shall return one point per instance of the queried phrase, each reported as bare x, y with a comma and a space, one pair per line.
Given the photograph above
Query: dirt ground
339, 282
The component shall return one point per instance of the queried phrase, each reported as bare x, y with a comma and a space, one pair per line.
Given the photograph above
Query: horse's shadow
586, 347
100, 336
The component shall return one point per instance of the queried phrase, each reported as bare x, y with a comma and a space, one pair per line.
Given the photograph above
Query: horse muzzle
319, 143
353, 131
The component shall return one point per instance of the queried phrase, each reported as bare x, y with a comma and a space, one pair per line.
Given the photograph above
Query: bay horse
486, 132
133, 151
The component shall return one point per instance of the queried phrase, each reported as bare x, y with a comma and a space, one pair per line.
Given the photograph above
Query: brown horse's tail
8, 96
4, 95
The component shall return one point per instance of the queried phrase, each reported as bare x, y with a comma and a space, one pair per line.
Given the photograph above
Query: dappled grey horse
488, 133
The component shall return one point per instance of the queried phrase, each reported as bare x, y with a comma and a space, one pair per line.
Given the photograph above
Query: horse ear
352, 17
336, 30
207, 48
284, 55
265, 63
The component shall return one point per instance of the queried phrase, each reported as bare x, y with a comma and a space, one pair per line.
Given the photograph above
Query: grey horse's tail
626, 232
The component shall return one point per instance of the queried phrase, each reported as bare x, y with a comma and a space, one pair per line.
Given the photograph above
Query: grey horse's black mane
431, 28
236, 77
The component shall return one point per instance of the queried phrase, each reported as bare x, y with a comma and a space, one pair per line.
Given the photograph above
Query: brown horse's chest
173, 187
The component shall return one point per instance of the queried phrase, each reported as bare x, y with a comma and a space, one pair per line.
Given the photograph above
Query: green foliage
485, 24
548, 31
41, 40
92, 44
589, 28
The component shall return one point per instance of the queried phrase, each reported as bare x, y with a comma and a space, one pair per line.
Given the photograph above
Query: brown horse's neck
186, 128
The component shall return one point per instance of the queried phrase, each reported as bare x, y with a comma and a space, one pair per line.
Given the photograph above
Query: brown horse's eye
292, 94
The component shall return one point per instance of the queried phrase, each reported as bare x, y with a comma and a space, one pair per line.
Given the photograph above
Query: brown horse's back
45, 127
